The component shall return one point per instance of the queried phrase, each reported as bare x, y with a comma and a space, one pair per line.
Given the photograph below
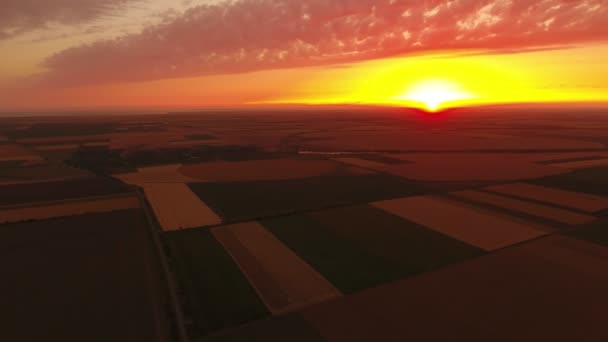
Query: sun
434, 95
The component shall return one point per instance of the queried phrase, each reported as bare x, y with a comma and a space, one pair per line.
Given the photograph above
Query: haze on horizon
61, 54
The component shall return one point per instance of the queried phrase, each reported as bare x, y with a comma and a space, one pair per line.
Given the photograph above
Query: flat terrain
366, 224
83, 278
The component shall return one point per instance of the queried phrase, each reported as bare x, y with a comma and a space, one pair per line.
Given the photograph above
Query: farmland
75, 272
339, 225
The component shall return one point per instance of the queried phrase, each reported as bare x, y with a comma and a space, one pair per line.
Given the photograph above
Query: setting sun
433, 95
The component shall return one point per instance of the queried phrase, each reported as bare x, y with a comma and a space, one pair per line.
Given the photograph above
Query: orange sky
414, 58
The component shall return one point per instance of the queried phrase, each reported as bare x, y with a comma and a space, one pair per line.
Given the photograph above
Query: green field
361, 246
348, 266
415, 248
218, 295
248, 200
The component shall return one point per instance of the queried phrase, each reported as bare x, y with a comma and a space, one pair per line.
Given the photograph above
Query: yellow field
484, 229
68, 208
284, 281
569, 199
177, 207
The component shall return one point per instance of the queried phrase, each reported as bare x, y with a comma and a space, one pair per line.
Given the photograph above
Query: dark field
60, 190
592, 181
560, 282
347, 265
237, 201
83, 278
107, 161
219, 296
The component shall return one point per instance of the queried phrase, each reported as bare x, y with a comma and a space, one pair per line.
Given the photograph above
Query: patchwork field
533, 209
247, 200
218, 294
258, 170
306, 226
560, 283
568, 199
283, 280
156, 174
484, 229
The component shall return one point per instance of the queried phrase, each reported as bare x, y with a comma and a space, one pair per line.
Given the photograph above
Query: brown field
52, 191
64, 140
552, 289
93, 277
96, 144
583, 164
68, 208
283, 280
546, 157
367, 164
156, 174
569, 199
177, 207
469, 167
484, 229
55, 147
416, 140
274, 169
17, 152
538, 210
43, 173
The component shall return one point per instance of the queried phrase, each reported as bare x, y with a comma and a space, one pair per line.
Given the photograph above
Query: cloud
20, 16
248, 35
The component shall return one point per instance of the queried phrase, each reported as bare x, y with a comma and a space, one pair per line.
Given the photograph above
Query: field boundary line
170, 283
69, 200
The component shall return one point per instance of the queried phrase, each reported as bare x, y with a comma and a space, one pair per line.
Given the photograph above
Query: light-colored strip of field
481, 228
368, 164
156, 174
59, 140
582, 164
177, 207
283, 280
56, 147
569, 199
70, 208
488, 135
546, 157
533, 209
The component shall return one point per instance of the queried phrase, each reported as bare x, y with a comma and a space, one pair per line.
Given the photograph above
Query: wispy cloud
20, 16
247, 35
